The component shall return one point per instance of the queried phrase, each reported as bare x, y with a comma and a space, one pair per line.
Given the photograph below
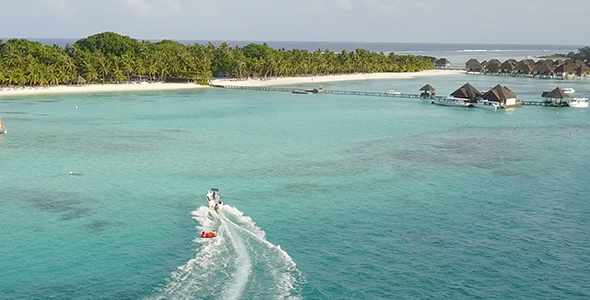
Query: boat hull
452, 102
578, 103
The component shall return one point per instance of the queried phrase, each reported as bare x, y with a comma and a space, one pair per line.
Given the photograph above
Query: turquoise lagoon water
329, 197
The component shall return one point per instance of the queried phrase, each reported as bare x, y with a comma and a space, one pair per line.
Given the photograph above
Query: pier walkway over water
352, 93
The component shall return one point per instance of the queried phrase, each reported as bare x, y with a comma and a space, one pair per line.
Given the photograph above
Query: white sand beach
332, 78
111, 88
96, 88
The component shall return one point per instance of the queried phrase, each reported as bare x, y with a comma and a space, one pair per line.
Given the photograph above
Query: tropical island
113, 58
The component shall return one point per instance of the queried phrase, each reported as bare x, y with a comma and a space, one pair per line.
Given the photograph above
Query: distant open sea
457, 53
328, 196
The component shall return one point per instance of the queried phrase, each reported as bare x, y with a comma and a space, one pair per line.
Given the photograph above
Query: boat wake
238, 264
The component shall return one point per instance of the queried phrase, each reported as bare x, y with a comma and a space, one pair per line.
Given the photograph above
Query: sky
550, 22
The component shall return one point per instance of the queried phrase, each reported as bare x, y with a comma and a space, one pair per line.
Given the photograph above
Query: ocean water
328, 196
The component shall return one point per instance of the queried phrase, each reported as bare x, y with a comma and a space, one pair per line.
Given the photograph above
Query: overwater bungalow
566, 70
499, 96
524, 67
583, 71
508, 66
467, 91
555, 97
557, 63
543, 70
427, 91
442, 63
473, 65
493, 66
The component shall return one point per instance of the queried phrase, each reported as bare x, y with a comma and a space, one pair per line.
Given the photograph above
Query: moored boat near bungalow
578, 102
464, 96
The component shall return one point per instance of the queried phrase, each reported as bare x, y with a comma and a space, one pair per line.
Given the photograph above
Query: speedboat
569, 90
214, 200
393, 92
452, 101
578, 102
488, 104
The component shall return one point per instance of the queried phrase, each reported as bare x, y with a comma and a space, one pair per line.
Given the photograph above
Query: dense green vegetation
112, 58
582, 53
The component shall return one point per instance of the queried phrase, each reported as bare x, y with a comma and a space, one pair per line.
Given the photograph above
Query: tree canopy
582, 53
112, 58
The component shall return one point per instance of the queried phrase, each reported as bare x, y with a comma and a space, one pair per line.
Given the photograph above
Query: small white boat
393, 92
452, 101
578, 102
214, 200
488, 104
569, 90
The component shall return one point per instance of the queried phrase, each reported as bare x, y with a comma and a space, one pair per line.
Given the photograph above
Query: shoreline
97, 88
127, 87
331, 78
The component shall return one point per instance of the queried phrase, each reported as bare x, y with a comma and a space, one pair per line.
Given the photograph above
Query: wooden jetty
357, 93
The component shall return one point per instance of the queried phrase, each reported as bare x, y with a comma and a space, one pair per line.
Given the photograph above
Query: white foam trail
243, 264
238, 264
283, 269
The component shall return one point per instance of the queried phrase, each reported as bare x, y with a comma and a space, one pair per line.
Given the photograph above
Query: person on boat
203, 234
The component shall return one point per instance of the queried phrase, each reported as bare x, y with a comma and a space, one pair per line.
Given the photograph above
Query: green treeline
582, 53
112, 58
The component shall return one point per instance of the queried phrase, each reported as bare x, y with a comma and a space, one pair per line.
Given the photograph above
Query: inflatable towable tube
208, 234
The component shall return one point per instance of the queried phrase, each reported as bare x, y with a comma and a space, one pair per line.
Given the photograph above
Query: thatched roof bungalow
555, 97
427, 91
558, 62
467, 91
502, 95
442, 63
493, 66
583, 70
544, 70
508, 67
567, 69
524, 67
473, 65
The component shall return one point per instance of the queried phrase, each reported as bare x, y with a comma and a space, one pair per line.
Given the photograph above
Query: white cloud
345, 5
59, 6
424, 6
382, 6
138, 6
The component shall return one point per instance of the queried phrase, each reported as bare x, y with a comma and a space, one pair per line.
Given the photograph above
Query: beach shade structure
467, 91
427, 91
80, 80
500, 94
556, 95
